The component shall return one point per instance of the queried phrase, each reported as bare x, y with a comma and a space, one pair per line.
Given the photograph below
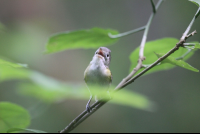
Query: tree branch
142, 45
84, 115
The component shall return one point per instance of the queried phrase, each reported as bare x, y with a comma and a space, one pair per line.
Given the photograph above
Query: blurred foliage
50, 90
28, 130
9, 70
13, 116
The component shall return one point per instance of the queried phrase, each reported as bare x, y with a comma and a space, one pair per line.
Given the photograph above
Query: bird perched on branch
98, 74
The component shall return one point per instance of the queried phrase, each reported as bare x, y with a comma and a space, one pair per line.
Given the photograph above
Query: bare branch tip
195, 32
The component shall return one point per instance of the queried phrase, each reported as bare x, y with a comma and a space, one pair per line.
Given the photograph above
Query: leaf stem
189, 44
185, 54
126, 33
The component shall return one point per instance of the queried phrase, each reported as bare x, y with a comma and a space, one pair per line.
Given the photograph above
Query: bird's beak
100, 52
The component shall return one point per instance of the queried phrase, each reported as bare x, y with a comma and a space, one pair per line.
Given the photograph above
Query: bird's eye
107, 55
96, 53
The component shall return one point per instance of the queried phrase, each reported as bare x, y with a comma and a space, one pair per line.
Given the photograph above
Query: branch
179, 44
142, 45
84, 115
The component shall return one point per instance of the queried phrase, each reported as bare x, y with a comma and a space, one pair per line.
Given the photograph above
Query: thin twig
127, 33
142, 45
190, 25
153, 6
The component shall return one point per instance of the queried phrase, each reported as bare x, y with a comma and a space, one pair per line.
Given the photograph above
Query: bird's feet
88, 108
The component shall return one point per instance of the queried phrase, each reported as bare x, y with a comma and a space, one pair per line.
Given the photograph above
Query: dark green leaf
12, 116
92, 38
179, 63
20, 129
158, 46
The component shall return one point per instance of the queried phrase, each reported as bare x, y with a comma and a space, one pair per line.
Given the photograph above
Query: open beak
100, 52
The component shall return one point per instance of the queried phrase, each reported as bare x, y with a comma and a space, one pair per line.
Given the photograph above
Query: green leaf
133, 99
20, 129
193, 46
179, 63
197, 2
92, 38
10, 70
50, 90
7, 63
159, 46
12, 116
7, 73
197, 46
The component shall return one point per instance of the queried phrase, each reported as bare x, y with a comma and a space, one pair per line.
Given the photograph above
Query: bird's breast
97, 75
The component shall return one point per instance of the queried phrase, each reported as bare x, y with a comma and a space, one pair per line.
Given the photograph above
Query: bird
98, 74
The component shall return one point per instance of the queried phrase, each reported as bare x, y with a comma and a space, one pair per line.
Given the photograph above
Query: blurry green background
29, 23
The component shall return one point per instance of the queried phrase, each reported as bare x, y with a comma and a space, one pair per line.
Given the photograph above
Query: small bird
98, 74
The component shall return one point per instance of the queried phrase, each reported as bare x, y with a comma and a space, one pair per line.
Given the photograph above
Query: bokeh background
29, 24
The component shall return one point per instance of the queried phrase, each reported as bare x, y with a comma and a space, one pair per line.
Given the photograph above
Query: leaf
50, 90
7, 73
10, 70
133, 99
92, 38
197, 2
159, 46
20, 129
197, 46
12, 116
7, 63
179, 63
